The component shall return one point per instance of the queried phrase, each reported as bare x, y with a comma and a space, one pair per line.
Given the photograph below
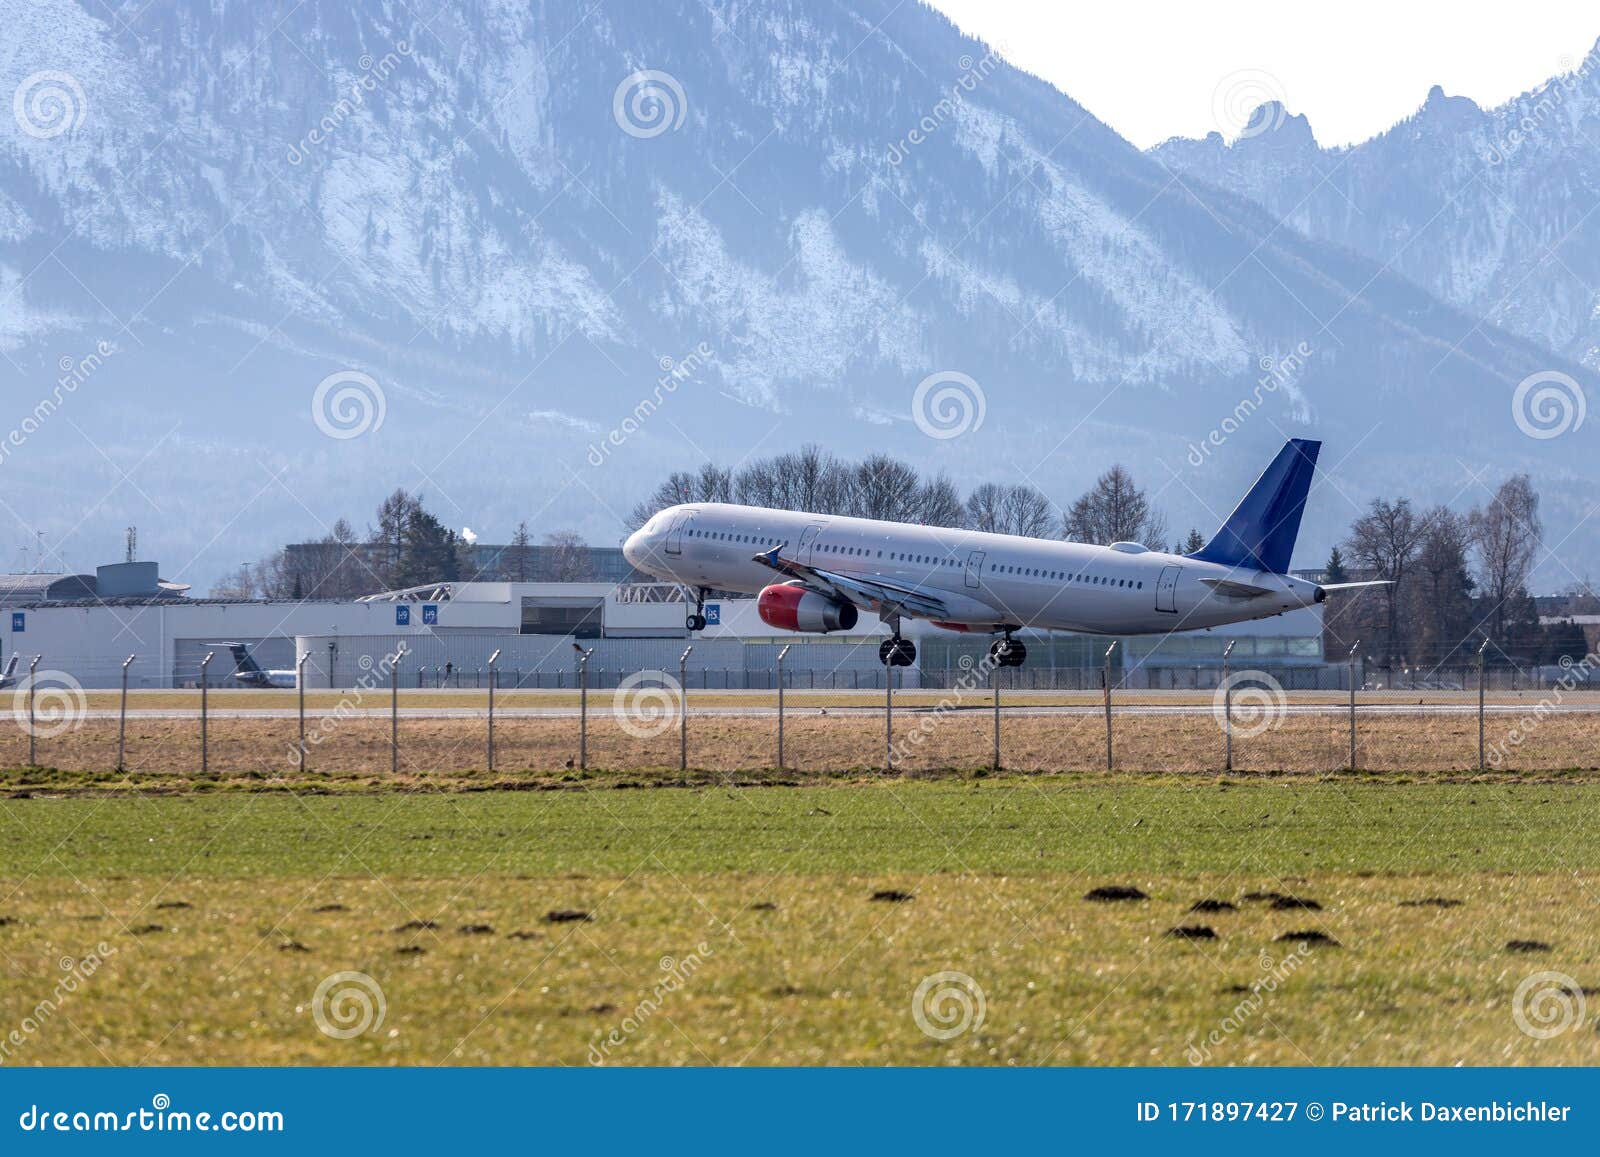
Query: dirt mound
1191, 932
763, 906
1111, 893
1291, 903
1432, 902
1527, 946
417, 926
1209, 905
331, 908
892, 896
1311, 936
568, 916
476, 930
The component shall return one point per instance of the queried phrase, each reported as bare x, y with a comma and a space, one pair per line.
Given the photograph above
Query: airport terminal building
89, 625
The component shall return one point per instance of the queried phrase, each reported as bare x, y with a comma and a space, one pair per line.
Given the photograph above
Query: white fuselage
993, 580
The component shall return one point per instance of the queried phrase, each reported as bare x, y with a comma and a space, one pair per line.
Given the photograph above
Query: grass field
726, 924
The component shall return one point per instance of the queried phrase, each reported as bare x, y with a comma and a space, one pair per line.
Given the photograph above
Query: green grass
1005, 826
222, 914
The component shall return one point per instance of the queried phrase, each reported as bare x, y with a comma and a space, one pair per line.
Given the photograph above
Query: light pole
33, 668
1481, 650
1353, 648
683, 709
583, 707
300, 692
1106, 679
394, 710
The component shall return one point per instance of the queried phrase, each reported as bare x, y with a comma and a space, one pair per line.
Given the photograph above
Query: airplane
816, 572
8, 677
249, 673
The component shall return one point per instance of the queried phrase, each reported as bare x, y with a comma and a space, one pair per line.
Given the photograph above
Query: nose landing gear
696, 620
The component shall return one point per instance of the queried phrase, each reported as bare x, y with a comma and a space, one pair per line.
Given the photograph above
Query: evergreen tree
1334, 572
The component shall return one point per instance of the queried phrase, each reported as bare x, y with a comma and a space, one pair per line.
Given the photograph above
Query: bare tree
567, 558
884, 488
939, 503
1385, 541
1114, 510
1016, 509
1507, 533
1440, 603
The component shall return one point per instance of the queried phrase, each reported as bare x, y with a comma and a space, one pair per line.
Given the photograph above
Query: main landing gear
897, 652
1008, 652
696, 621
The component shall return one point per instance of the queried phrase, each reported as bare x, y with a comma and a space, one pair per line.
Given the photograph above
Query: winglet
1260, 532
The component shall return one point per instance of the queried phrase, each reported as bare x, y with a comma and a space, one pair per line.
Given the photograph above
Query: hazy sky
1153, 69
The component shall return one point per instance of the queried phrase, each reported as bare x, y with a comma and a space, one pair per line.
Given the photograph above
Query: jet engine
791, 607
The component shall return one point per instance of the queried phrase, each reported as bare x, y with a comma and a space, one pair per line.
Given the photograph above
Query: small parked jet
249, 673
813, 572
8, 677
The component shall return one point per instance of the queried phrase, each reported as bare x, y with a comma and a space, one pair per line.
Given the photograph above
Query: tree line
406, 545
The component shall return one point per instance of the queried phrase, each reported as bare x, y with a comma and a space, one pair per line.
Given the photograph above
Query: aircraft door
808, 538
675, 533
975, 569
1167, 590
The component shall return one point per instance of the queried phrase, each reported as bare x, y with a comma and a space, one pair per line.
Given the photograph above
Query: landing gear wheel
897, 652
1007, 652
695, 622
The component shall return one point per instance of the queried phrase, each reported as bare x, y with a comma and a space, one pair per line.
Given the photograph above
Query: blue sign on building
402, 615
430, 614
713, 614
19, 620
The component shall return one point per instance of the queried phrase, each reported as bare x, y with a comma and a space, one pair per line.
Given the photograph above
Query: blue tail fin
1260, 532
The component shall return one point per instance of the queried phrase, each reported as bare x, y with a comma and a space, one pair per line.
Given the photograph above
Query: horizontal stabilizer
1356, 586
1229, 589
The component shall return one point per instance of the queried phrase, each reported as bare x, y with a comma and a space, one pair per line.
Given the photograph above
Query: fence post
300, 689
493, 659
32, 679
1480, 702
888, 714
683, 709
781, 654
204, 663
122, 719
1227, 707
1353, 648
994, 681
394, 711
583, 707
1106, 679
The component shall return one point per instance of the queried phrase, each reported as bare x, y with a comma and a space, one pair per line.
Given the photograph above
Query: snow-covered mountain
558, 250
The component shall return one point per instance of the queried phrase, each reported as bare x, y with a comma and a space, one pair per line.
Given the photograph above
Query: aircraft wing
885, 599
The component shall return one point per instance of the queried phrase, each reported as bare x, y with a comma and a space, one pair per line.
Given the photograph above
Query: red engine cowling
794, 608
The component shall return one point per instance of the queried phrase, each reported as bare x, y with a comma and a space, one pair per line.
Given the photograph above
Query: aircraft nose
636, 550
